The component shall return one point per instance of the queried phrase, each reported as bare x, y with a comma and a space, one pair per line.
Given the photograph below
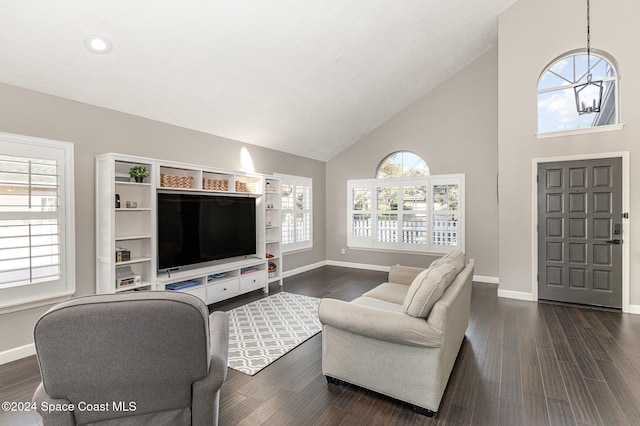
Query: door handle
614, 242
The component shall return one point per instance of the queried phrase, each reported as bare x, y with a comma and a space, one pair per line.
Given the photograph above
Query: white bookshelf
119, 226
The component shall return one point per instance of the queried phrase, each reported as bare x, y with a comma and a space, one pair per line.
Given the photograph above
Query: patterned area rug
260, 332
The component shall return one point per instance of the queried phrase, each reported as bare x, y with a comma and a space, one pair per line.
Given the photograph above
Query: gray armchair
128, 359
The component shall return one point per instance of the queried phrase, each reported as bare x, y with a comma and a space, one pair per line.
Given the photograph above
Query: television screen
200, 228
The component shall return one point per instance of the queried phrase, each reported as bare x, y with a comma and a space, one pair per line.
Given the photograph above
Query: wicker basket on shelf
245, 186
172, 181
242, 187
215, 184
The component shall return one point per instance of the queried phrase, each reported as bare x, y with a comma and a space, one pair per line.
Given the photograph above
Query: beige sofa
401, 339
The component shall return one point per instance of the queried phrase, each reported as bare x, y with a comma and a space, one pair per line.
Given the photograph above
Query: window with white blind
421, 214
36, 220
297, 213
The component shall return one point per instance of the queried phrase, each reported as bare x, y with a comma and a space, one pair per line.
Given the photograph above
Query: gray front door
580, 232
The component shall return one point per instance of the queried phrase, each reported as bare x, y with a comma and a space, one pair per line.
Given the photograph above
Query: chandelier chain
588, 37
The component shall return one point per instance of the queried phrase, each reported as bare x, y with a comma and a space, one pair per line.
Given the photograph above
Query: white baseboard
370, 267
358, 266
17, 353
519, 295
487, 280
303, 269
634, 309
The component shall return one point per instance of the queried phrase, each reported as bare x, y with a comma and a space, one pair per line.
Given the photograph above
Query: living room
481, 121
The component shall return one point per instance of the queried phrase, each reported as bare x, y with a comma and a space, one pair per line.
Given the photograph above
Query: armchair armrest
403, 274
394, 327
219, 341
205, 404
52, 416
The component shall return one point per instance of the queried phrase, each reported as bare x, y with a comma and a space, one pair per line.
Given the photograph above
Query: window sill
296, 250
609, 128
406, 251
34, 303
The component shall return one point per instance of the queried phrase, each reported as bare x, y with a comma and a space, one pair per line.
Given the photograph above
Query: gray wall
95, 131
526, 47
454, 129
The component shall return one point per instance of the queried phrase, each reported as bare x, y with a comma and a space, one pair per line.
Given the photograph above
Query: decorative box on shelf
173, 181
126, 278
122, 255
126, 282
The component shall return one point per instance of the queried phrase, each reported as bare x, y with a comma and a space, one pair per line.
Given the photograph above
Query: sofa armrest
394, 327
403, 274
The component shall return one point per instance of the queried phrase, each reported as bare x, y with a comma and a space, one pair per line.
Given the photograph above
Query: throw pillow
454, 257
427, 288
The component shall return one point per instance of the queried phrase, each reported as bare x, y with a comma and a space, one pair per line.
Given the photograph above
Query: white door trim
626, 197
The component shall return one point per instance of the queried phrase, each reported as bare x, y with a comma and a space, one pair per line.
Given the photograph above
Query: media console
127, 234
215, 283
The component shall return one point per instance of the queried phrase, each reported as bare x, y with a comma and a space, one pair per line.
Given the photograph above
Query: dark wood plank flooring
521, 363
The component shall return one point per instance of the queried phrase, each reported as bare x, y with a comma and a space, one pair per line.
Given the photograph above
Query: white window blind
36, 223
423, 214
297, 213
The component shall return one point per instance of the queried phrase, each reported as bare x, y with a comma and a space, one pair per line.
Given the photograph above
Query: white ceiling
309, 77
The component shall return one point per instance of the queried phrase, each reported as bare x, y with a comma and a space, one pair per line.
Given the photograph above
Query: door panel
579, 222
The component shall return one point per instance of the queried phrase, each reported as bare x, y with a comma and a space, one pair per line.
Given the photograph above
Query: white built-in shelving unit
131, 227
273, 230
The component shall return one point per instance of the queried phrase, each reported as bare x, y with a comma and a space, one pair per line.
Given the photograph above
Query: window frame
296, 181
371, 241
25, 296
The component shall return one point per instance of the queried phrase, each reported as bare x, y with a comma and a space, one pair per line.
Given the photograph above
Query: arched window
402, 164
557, 110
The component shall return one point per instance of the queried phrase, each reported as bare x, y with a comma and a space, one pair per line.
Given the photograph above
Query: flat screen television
195, 228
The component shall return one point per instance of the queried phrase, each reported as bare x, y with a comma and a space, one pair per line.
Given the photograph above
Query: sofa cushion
390, 292
427, 289
454, 257
384, 305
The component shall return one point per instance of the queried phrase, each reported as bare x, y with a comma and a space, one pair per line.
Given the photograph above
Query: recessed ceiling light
98, 44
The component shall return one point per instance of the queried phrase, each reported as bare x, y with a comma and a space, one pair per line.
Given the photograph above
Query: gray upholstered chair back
145, 348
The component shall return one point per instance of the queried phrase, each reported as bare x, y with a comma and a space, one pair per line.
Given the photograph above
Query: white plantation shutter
418, 214
36, 219
30, 246
297, 217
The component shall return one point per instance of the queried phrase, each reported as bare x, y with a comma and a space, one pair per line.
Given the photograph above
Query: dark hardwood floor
521, 363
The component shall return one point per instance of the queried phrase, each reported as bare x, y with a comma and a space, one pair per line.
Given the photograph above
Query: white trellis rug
260, 332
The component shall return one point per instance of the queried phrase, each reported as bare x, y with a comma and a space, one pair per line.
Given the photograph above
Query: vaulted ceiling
307, 77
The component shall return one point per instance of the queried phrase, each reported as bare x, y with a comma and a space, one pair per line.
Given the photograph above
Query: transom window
557, 109
402, 164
